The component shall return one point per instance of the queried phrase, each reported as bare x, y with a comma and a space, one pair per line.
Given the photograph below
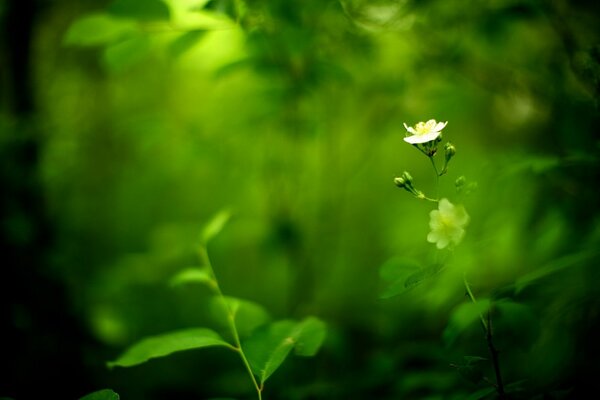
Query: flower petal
445, 206
440, 126
417, 139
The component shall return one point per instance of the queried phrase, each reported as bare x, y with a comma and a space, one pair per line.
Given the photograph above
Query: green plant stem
437, 177
231, 322
487, 327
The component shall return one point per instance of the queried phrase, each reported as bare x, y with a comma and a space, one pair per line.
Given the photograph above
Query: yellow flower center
423, 128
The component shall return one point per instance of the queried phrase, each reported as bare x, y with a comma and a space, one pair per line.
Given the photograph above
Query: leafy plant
447, 225
262, 345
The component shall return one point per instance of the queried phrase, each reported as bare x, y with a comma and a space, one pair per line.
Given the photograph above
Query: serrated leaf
215, 226
270, 345
247, 315
146, 10
123, 54
185, 42
404, 274
105, 394
97, 29
168, 343
192, 275
463, 317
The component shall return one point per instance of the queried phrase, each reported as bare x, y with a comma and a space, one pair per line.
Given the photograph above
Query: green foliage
105, 394
168, 343
185, 41
98, 29
246, 315
553, 267
148, 10
403, 274
215, 226
121, 55
193, 275
463, 317
270, 345
292, 115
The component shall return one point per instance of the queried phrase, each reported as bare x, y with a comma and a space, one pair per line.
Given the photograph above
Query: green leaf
215, 226
98, 29
168, 343
193, 275
143, 10
270, 345
105, 394
123, 54
555, 266
463, 317
403, 274
247, 315
185, 42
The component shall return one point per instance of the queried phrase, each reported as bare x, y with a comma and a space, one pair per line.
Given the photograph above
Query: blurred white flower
447, 224
424, 132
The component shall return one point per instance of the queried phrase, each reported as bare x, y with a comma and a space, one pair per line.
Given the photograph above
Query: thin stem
472, 297
437, 177
495, 361
487, 327
231, 322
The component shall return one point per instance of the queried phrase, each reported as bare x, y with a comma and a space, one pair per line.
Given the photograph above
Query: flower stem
437, 177
487, 327
231, 322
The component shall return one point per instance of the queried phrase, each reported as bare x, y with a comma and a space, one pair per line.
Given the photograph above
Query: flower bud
450, 151
400, 182
407, 177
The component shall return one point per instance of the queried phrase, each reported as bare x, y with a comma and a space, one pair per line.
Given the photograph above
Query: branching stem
231, 322
487, 327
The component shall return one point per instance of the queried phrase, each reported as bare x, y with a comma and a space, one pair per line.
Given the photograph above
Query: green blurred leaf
163, 345
98, 29
123, 54
215, 226
404, 274
146, 10
105, 394
234, 9
193, 275
269, 346
462, 318
555, 266
185, 42
247, 315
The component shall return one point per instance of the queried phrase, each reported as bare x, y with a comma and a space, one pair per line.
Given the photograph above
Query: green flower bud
460, 182
400, 182
450, 151
407, 177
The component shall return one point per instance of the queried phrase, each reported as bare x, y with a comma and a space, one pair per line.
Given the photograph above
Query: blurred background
126, 125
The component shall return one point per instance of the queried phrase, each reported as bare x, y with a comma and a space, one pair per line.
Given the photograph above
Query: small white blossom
424, 132
447, 224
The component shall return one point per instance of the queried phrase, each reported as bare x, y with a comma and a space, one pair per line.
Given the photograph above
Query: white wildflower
447, 224
424, 132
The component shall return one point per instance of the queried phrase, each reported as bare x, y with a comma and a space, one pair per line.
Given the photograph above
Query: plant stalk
487, 327
231, 322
